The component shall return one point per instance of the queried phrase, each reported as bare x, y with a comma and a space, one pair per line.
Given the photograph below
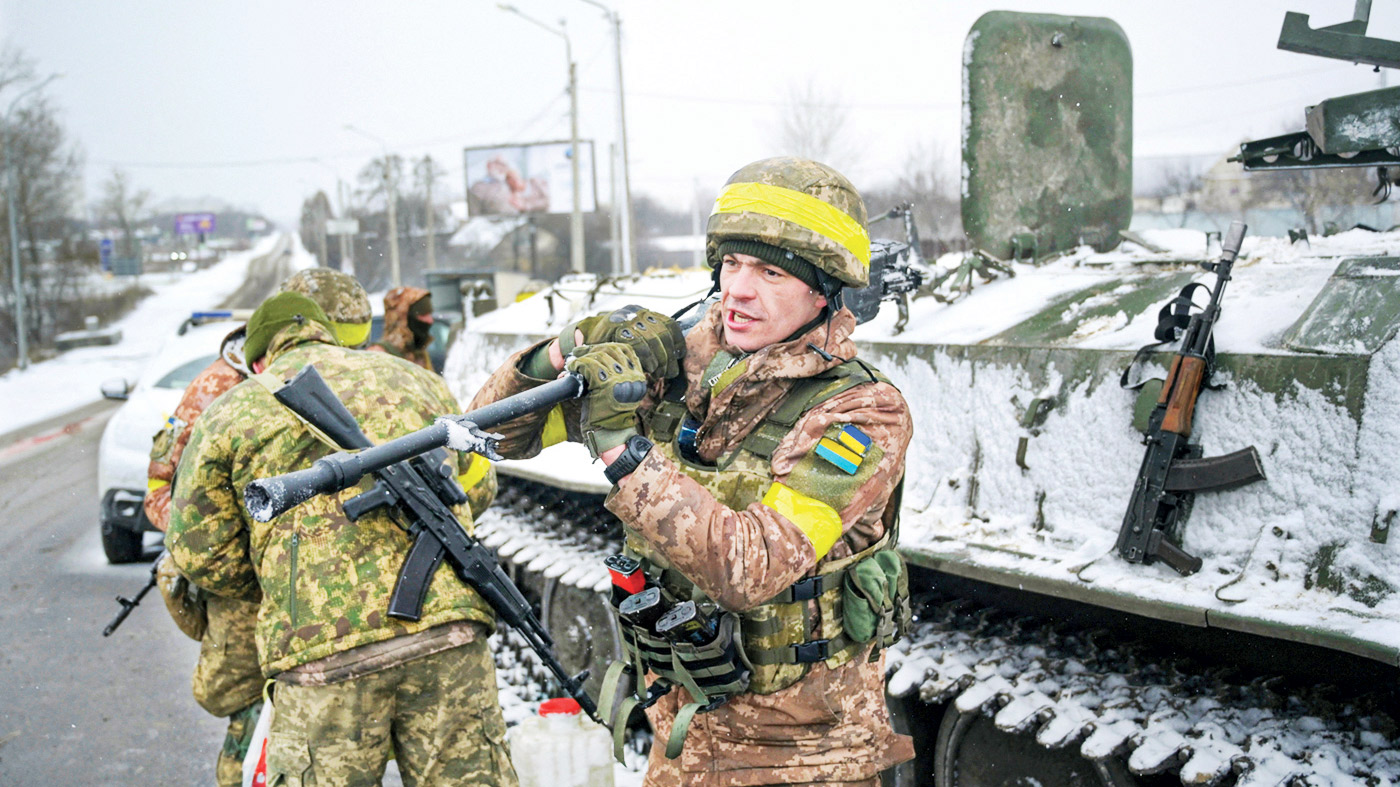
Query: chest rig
773, 645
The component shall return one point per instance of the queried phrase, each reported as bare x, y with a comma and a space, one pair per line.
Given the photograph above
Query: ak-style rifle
410, 480
1173, 469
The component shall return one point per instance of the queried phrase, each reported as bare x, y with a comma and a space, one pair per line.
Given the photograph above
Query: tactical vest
773, 637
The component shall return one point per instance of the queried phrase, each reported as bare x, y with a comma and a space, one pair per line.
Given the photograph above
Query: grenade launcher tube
270, 497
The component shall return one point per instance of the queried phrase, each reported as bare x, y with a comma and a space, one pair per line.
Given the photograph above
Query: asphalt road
75, 707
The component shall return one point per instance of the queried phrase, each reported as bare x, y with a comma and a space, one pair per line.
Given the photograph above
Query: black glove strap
637, 449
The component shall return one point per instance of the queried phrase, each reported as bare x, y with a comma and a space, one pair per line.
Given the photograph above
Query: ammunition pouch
875, 601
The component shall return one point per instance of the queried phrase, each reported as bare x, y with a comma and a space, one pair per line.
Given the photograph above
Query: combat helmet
340, 296
797, 205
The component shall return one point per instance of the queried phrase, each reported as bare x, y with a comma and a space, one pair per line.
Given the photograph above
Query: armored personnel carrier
1041, 655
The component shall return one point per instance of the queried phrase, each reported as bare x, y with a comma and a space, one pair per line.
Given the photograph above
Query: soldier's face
762, 304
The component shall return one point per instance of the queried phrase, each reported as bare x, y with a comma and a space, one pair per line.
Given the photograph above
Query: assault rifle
411, 478
129, 604
1172, 469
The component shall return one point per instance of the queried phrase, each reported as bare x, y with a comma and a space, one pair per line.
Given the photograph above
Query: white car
125, 450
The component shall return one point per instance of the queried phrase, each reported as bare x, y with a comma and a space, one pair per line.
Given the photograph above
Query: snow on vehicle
125, 450
1040, 654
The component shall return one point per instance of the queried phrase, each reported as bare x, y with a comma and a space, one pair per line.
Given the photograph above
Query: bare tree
15, 67
814, 124
314, 212
926, 181
46, 168
1184, 181
125, 204
1321, 196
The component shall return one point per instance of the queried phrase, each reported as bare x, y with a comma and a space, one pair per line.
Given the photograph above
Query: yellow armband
476, 471
818, 521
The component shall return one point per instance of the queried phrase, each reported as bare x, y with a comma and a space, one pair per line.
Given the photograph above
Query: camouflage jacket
325, 581
169, 444
398, 338
833, 724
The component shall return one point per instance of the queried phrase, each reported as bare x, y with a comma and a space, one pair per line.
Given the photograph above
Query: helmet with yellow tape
797, 205
340, 296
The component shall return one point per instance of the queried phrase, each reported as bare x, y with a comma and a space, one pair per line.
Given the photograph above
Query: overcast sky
247, 100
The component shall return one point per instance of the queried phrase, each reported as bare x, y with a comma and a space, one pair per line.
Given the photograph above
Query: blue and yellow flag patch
846, 451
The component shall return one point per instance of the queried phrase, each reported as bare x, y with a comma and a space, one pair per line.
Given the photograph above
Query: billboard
507, 180
194, 223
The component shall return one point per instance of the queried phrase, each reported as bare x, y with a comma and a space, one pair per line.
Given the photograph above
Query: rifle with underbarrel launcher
411, 481
1173, 469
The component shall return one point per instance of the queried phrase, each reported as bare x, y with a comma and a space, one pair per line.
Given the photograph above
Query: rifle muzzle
270, 497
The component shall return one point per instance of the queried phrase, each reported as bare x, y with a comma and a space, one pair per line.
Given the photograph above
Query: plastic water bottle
562, 748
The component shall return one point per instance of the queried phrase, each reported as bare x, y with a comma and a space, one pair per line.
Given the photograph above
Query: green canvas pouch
874, 598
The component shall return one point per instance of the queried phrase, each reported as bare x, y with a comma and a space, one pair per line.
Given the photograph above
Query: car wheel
120, 544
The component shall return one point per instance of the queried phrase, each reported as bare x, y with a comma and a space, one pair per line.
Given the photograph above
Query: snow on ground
51, 388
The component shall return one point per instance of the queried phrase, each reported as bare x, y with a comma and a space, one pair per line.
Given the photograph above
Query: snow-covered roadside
72, 380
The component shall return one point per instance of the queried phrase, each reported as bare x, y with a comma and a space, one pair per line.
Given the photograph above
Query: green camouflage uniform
325, 581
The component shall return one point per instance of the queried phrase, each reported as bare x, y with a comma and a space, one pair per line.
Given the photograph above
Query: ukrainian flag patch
846, 451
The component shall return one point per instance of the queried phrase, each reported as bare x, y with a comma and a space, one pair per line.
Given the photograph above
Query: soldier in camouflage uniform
354, 686
408, 322
227, 679
770, 490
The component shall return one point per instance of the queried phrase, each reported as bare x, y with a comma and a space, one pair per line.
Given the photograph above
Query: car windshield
181, 376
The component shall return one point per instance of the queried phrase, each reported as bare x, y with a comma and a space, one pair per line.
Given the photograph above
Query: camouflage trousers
439, 716
229, 767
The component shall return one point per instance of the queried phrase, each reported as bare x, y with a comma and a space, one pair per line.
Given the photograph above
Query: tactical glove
615, 384
655, 338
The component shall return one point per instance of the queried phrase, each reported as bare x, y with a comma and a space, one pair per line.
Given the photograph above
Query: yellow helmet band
801, 209
351, 334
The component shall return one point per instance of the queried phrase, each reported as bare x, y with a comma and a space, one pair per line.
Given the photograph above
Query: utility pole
616, 212
576, 217
390, 194
576, 262
11, 186
347, 264
429, 175
322, 213
629, 260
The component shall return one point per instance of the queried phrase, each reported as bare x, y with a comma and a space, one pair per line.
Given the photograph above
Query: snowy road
76, 708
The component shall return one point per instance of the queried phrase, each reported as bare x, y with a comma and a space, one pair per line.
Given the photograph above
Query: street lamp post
628, 262
391, 194
11, 186
576, 217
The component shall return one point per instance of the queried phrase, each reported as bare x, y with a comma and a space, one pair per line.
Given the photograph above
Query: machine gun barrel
269, 497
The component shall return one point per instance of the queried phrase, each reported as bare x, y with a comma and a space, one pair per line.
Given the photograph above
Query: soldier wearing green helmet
227, 679
354, 686
758, 480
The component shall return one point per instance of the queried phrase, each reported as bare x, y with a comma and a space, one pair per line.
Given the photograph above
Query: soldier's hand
615, 385
655, 338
